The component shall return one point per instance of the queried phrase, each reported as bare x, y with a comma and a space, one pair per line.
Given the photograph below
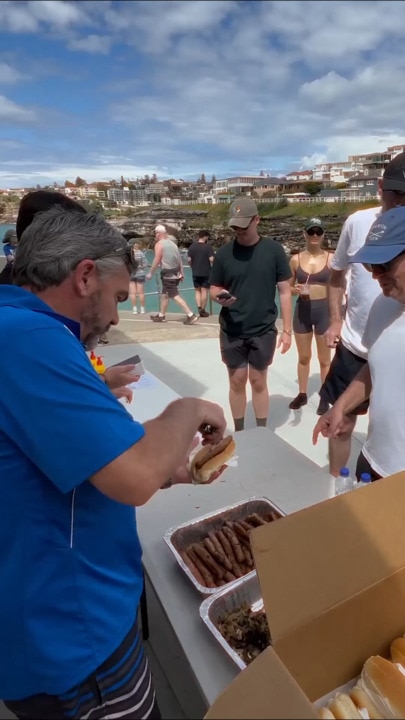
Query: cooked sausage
239, 555
208, 579
218, 556
218, 547
242, 534
248, 557
192, 567
254, 518
208, 560
237, 571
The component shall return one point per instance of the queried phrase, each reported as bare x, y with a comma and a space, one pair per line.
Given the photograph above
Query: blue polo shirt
70, 558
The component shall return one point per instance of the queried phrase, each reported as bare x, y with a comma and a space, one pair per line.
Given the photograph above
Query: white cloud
56, 12
11, 112
8, 74
91, 44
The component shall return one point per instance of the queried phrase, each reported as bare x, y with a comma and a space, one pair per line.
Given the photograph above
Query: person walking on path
137, 282
168, 258
310, 275
200, 259
245, 276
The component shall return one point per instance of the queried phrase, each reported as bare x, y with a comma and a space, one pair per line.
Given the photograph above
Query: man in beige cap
168, 258
245, 276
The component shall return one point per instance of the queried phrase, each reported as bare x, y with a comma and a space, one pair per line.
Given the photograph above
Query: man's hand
328, 424
332, 335
226, 303
212, 423
123, 392
149, 275
120, 375
284, 342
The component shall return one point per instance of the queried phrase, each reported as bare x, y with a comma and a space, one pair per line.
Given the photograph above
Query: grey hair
58, 239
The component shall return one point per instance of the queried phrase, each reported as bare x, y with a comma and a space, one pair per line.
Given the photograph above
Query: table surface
267, 466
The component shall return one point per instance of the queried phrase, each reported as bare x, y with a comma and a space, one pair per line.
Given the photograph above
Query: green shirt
250, 274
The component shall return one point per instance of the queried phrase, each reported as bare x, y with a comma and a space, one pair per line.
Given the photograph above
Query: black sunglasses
124, 252
382, 267
315, 231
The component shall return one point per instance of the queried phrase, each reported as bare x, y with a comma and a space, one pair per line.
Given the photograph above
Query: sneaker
190, 320
135, 311
298, 401
142, 311
323, 407
158, 318
204, 313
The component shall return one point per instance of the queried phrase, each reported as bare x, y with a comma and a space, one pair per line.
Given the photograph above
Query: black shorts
201, 281
363, 466
121, 687
311, 315
138, 279
343, 369
170, 287
256, 351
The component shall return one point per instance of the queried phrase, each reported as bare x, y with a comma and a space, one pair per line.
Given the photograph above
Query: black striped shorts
120, 689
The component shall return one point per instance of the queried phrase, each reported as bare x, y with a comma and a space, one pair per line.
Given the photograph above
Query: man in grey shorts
168, 258
244, 278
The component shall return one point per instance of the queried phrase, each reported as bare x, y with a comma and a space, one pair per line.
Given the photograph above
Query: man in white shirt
346, 334
382, 377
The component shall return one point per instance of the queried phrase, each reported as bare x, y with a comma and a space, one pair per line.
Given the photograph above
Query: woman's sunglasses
315, 231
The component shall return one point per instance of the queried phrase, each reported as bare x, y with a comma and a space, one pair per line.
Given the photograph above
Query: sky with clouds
180, 87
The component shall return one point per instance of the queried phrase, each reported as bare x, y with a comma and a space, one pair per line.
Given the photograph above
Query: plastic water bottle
343, 483
365, 479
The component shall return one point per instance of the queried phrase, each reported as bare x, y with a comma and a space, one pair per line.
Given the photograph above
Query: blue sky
100, 88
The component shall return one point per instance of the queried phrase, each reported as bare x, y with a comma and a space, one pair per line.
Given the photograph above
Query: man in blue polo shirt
73, 464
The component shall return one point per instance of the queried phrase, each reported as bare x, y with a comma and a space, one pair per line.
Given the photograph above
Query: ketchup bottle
93, 359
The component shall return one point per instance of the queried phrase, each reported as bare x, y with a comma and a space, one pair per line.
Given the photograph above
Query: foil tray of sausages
214, 550
223, 612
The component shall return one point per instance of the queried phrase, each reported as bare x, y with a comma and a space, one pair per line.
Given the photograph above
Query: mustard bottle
100, 367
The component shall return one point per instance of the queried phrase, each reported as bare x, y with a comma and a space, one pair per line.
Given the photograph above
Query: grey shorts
311, 315
170, 287
256, 351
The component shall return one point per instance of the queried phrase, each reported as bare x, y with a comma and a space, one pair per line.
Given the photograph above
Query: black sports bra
319, 278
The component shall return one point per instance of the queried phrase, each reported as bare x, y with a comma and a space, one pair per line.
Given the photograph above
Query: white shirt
361, 288
384, 337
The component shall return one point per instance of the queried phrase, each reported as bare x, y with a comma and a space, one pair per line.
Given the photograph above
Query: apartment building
237, 185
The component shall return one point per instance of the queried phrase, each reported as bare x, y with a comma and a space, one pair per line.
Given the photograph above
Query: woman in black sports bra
310, 275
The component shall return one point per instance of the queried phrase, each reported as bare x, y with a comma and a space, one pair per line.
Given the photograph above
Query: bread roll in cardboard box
333, 584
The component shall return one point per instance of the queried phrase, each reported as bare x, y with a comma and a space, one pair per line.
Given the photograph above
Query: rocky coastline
185, 224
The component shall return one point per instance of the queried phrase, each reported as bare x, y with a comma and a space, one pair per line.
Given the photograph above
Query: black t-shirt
200, 254
250, 274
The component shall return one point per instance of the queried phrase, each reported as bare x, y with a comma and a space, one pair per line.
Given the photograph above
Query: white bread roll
325, 714
364, 702
211, 458
398, 651
343, 707
385, 685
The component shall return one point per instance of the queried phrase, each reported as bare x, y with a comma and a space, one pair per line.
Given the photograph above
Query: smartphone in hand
224, 295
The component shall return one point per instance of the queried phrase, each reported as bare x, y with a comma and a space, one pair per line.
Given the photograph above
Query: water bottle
365, 479
343, 483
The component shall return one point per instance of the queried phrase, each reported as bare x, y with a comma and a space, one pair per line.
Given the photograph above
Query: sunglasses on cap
315, 231
382, 267
126, 254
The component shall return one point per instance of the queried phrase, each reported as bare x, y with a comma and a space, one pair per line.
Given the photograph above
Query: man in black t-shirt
247, 272
200, 259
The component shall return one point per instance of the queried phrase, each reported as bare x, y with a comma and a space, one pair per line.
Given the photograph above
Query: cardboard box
333, 584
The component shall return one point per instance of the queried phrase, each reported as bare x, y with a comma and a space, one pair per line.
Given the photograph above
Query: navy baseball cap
385, 240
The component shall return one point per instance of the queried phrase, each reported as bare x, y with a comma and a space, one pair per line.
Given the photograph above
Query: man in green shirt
245, 276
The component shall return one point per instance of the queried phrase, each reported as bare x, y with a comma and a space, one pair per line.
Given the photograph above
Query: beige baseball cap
241, 212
